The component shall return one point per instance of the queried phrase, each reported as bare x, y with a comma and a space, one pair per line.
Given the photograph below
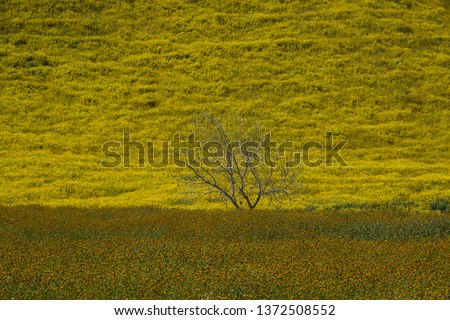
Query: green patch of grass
442, 204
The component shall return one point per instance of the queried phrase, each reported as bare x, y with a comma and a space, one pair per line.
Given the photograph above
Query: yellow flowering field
147, 253
75, 74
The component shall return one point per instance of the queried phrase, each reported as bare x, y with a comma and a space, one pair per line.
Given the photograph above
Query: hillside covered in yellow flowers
75, 74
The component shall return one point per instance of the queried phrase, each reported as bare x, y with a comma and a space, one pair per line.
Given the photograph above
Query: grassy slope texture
75, 74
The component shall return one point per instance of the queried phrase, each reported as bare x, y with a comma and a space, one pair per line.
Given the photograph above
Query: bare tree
240, 163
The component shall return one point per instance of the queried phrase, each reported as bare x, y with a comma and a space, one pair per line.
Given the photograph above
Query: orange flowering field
145, 253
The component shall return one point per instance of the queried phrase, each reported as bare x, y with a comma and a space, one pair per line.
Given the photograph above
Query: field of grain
145, 253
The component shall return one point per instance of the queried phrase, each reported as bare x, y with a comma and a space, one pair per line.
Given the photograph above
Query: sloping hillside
75, 74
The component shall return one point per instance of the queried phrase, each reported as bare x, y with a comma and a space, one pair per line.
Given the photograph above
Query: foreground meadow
145, 253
